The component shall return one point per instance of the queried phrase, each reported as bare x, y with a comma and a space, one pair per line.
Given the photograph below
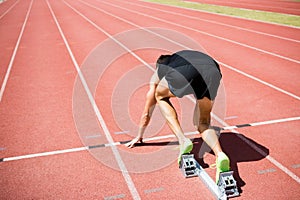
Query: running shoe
185, 148
223, 165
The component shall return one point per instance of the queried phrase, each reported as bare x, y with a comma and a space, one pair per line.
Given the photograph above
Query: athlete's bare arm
148, 110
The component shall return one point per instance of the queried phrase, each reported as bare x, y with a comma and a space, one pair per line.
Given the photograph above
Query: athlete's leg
202, 114
202, 122
163, 96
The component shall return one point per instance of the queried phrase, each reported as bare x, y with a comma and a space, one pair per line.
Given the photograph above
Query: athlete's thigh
162, 90
202, 112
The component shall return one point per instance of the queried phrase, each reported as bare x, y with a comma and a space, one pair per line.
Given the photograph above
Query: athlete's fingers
129, 144
132, 143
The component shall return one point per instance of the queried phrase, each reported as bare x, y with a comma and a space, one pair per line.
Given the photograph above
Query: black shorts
186, 80
200, 78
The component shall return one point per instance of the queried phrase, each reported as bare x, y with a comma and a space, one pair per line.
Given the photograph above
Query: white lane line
238, 5
270, 158
256, 148
260, 21
221, 121
14, 53
157, 138
208, 34
115, 151
261, 81
275, 121
50, 153
203, 175
283, 168
227, 66
135, 25
11, 7
215, 22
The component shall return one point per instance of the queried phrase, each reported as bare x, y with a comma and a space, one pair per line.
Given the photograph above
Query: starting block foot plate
227, 184
188, 165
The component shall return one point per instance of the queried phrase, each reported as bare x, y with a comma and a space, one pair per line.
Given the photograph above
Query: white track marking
261, 81
140, 59
206, 179
270, 158
215, 22
11, 7
115, 151
251, 4
243, 18
50, 153
14, 53
227, 66
208, 34
275, 121
157, 138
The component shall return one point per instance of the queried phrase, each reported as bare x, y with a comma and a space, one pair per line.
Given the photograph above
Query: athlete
183, 73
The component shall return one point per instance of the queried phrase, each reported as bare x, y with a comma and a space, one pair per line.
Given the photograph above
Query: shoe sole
187, 150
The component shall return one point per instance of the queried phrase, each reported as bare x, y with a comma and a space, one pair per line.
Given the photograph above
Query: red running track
45, 107
278, 6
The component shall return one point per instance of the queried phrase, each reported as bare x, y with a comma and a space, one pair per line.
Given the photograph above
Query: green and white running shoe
185, 148
223, 164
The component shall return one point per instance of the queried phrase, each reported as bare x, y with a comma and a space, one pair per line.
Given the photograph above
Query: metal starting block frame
227, 184
226, 187
188, 165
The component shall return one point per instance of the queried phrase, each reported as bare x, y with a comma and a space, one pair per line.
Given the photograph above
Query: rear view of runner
183, 73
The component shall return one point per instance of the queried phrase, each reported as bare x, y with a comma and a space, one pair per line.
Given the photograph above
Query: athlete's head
163, 59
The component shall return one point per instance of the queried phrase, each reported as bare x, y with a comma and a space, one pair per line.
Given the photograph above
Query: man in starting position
183, 73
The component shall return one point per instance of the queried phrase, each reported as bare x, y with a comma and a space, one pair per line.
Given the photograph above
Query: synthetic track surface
45, 47
277, 6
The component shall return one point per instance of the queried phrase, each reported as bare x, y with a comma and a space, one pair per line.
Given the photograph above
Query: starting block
188, 165
226, 187
227, 184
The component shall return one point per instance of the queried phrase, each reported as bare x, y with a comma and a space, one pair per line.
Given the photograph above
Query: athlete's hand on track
132, 143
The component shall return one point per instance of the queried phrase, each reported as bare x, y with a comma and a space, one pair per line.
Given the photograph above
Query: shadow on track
238, 147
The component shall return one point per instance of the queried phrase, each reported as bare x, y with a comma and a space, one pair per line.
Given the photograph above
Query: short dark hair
163, 59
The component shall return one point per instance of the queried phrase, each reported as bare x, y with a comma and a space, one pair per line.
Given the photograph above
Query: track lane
156, 184
37, 72
115, 153
286, 7
65, 176
268, 28
11, 40
102, 100
257, 58
219, 20
7, 7
242, 37
43, 68
133, 157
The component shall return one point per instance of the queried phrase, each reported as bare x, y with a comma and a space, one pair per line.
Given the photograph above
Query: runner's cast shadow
238, 147
173, 143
